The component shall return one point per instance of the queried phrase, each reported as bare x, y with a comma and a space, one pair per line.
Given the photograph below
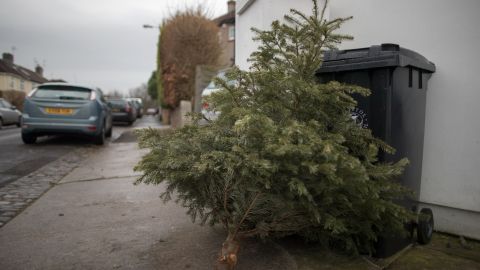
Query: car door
9, 115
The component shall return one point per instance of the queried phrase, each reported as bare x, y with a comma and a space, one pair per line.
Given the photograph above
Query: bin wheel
425, 226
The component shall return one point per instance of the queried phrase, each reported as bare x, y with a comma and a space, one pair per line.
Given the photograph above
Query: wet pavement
18, 160
28, 171
95, 218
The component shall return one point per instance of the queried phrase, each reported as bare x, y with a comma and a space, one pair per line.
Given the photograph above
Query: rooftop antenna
14, 49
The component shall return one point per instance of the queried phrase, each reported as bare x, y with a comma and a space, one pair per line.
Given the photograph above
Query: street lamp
164, 115
150, 26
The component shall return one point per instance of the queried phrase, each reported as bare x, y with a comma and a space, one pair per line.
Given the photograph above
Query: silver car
208, 110
9, 115
59, 108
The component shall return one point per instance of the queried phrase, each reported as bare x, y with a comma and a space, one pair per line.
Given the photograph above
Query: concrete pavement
95, 218
27, 171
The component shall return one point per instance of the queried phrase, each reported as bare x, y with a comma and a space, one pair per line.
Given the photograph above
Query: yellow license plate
115, 110
61, 111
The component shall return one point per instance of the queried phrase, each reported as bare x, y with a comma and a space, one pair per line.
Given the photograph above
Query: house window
231, 32
22, 85
12, 83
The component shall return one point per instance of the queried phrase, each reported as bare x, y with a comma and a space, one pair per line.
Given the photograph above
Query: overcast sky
94, 42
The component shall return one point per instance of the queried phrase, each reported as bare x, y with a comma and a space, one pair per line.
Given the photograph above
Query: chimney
231, 6
39, 70
8, 57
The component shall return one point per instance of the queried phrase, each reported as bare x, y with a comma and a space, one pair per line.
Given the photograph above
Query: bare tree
142, 92
187, 39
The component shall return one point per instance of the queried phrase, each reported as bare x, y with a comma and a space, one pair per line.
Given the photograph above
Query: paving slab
115, 161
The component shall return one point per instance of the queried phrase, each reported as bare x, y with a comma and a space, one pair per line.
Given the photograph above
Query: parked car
9, 115
208, 110
138, 103
61, 108
123, 110
152, 111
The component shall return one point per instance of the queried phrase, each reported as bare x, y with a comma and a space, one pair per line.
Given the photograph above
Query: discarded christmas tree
284, 157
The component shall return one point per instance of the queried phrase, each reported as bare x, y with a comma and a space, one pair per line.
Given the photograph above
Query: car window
117, 103
1, 104
102, 97
136, 104
63, 92
6, 104
139, 101
212, 85
220, 75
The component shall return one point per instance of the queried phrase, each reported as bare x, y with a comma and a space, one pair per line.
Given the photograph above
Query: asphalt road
18, 159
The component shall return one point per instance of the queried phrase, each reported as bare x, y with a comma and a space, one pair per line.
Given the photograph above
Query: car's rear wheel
29, 138
1, 123
109, 132
100, 138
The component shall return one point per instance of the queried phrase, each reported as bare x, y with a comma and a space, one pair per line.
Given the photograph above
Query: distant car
152, 111
208, 111
61, 108
138, 103
9, 115
123, 110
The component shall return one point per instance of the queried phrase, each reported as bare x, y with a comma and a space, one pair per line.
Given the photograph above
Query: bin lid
379, 56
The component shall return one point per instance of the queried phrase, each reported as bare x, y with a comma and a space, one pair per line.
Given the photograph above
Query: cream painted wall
260, 15
5, 83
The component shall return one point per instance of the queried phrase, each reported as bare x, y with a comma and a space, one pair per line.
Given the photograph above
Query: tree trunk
165, 116
228, 256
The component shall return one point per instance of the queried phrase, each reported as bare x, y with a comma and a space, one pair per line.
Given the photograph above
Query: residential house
446, 32
226, 36
15, 77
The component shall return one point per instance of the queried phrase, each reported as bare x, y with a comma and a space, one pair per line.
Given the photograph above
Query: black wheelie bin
395, 112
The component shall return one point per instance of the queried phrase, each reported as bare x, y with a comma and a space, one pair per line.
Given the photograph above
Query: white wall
260, 15
448, 34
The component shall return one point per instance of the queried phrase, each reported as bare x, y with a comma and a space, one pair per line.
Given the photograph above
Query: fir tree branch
247, 212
